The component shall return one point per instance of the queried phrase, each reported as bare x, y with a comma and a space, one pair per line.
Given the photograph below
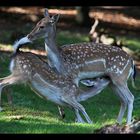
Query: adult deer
28, 68
88, 60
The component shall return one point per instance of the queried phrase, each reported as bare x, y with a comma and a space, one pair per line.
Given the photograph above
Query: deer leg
123, 103
7, 81
98, 85
0, 100
60, 109
78, 117
82, 109
128, 99
9, 96
74, 104
61, 112
130, 108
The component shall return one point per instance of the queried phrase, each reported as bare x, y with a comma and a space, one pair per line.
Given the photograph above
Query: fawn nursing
75, 63
28, 68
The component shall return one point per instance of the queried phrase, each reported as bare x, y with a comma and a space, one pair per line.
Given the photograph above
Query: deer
28, 68
88, 60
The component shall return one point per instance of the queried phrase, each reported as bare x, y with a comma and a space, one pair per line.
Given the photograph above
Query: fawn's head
45, 28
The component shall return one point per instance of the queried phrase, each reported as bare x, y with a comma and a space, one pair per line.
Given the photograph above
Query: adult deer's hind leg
11, 79
123, 103
130, 100
127, 100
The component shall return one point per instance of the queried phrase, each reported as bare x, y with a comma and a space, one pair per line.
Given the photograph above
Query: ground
31, 114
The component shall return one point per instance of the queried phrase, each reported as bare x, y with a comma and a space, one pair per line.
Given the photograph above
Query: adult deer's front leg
11, 79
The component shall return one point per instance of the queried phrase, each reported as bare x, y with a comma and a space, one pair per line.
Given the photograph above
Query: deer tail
133, 76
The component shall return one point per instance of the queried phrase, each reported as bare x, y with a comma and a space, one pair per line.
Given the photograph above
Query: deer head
45, 28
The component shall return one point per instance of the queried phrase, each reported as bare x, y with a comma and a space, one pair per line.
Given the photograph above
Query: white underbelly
86, 75
83, 75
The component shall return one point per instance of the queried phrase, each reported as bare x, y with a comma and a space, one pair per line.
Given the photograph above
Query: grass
31, 114
133, 44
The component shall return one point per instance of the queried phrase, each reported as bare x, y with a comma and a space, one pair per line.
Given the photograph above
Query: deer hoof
79, 121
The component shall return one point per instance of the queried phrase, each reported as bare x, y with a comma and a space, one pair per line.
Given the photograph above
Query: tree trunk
82, 16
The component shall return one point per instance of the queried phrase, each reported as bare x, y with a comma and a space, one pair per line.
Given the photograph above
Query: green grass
133, 44
40, 116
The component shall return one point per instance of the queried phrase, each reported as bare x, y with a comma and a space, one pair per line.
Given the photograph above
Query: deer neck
54, 58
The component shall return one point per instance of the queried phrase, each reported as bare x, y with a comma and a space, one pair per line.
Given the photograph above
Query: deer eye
41, 27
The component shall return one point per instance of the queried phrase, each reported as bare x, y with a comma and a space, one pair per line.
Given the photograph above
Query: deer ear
55, 18
46, 13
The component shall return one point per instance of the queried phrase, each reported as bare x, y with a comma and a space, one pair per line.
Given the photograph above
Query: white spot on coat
98, 60
24, 66
114, 66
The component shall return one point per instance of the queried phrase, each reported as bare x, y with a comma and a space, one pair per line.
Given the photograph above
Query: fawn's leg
74, 104
60, 109
78, 117
9, 95
61, 112
11, 79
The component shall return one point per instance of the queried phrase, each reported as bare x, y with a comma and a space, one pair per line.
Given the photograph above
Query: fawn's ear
55, 18
46, 13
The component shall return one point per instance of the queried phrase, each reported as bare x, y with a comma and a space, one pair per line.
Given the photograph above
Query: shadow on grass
37, 126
